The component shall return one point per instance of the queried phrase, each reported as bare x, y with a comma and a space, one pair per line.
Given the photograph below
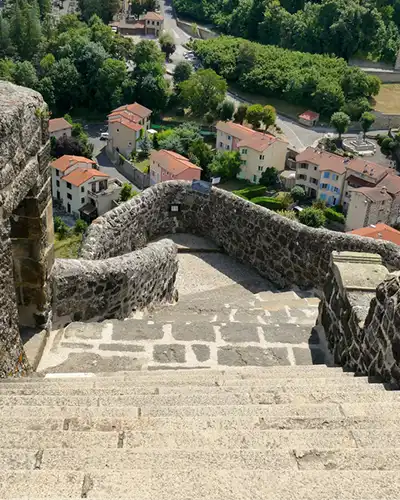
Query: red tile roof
66, 161
309, 115
172, 162
374, 193
325, 160
127, 123
236, 130
134, 108
81, 175
368, 169
153, 16
379, 232
391, 182
259, 142
57, 124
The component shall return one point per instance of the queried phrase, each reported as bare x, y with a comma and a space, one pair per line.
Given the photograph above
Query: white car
114, 29
104, 136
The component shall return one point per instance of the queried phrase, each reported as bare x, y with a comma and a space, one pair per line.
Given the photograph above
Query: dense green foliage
342, 27
269, 177
334, 216
76, 64
271, 203
341, 122
298, 193
250, 192
320, 82
204, 91
313, 217
225, 165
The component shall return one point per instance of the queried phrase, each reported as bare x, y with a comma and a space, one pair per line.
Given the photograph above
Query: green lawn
68, 247
234, 184
143, 165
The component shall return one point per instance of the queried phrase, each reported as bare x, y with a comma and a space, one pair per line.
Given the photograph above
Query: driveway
99, 152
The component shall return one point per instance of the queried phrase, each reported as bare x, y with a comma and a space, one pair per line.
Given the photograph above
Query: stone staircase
234, 325
276, 433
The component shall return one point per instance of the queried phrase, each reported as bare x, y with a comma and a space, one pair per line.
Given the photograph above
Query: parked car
114, 29
104, 136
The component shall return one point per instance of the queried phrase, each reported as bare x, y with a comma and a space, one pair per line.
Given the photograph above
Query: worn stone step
264, 411
270, 296
254, 439
259, 396
97, 421
212, 484
178, 459
126, 459
104, 386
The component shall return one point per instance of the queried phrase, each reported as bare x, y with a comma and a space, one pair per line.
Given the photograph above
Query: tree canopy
320, 82
340, 27
204, 91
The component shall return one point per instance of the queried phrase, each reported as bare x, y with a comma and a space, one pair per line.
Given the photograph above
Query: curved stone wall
114, 287
286, 252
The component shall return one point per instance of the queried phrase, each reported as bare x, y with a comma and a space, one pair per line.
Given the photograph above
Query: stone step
212, 484
205, 459
250, 439
257, 396
270, 296
98, 421
89, 386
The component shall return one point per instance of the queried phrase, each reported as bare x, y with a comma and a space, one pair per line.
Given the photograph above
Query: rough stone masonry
26, 220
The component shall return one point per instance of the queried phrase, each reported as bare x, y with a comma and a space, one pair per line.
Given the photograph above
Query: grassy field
388, 99
143, 165
67, 248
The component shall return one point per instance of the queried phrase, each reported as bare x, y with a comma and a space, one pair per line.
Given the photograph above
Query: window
152, 22
326, 175
323, 186
260, 168
227, 147
244, 162
335, 177
346, 193
58, 195
69, 196
314, 181
93, 187
82, 189
117, 129
336, 190
69, 208
244, 151
302, 177
158, 23
254, 178
82, 200
57, 173
304, 165
262, 157
322, 197
229, 137
58, 184
221, 145
68, 185
315, 167
129, 144
102, 185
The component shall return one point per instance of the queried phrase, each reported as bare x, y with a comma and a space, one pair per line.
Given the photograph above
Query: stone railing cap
358, 271
357, 257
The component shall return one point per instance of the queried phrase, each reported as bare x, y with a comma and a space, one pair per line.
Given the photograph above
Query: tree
25, 75
180, 139
285, 199
226, 165
255, 115
60, 227
289, 214
145, 147
341, 122
226, 110
241, 113
312, 217
204, 91
298, 193
328, 97
46, 88
201, 154
110, 77
270, 177
126, 192
105, 9
167, 44
46, 63
65, 78
269, 116
147, 51
152, 91
80, 226
367, 119
183, 71
155, 142
67, 146
6, 47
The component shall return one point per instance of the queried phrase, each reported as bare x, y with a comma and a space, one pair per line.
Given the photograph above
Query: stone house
59, 127
168, 165
74, 179
150, 23
258, 150
309, 118
368, 205
126, 125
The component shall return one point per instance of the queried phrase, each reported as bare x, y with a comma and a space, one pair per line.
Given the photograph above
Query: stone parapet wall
26, 220
286, 252
360, 313
114, 287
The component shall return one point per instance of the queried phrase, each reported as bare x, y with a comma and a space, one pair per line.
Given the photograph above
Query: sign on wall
202, 187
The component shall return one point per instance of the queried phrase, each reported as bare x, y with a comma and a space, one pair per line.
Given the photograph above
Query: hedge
331, 214
250, 192
271, 203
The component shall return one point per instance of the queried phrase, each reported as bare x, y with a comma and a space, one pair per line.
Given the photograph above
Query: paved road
94, 130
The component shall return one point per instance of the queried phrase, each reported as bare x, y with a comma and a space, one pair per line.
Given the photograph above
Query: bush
180, 112
298, 193
250, 192
271, 203
80, 226
313, 217
334, 216
289, 214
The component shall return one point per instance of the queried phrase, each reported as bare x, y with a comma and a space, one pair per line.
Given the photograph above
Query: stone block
239, 332
194, 331
308, 356
251, 356
169, 353
201, 351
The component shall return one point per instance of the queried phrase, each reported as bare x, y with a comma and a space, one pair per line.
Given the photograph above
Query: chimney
384, 190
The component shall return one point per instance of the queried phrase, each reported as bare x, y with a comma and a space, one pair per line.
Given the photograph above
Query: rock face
26, 223
284, 251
